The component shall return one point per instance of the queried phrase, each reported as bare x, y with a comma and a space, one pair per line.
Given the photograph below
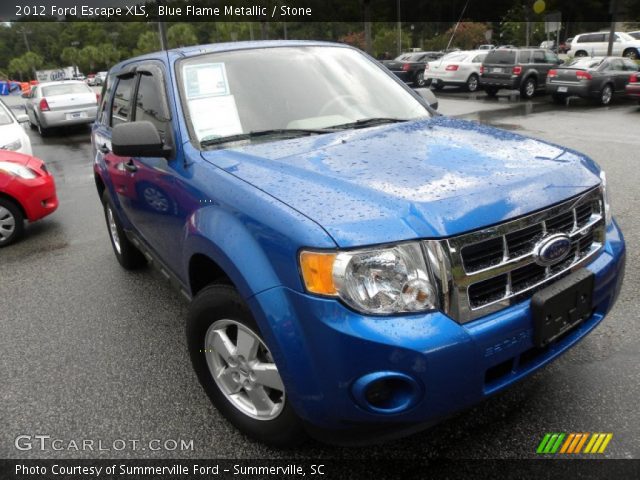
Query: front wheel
126, 252
236, 368
11, 222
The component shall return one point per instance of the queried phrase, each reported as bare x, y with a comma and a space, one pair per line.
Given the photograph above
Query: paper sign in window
215, 116
206, 80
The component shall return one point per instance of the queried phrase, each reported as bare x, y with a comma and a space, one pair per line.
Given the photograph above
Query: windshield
5, 115
287, 88
64, 89
635, 35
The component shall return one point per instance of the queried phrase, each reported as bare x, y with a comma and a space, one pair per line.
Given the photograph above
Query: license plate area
561, 306
562, 89
74, 115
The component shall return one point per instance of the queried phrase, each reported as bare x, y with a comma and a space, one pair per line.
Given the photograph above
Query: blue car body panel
251, 208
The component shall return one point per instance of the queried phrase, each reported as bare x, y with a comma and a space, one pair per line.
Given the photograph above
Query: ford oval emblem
551, 250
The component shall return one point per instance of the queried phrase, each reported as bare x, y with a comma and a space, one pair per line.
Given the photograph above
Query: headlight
605, 197
17, 170
13, 146
377, 281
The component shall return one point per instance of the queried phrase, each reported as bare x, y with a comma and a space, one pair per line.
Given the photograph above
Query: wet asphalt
91, 351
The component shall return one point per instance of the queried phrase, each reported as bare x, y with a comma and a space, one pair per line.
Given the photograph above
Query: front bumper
322, 349
37, 196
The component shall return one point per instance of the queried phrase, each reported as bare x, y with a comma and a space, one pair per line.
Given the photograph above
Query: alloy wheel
243, 369
7, 224
113, 230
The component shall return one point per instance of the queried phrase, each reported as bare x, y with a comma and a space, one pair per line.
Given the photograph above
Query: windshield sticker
215, 116
206, 80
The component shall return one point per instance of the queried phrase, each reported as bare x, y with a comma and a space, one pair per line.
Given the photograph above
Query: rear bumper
324, 351
569, 89
60, 118
633, 91
446, 78
508, 83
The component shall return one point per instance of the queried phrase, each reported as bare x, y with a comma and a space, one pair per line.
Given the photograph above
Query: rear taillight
481, 68
516, 70
582, 75
633, 78
405, 67
43, 105
553, 73
452, 68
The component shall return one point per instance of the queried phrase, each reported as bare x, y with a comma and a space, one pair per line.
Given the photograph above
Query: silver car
458, 68
58, 104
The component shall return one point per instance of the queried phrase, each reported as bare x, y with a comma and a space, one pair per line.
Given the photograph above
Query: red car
633, 87
27, 191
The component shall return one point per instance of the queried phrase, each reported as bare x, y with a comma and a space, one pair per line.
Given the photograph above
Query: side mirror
429, 96
138, 139
22, 118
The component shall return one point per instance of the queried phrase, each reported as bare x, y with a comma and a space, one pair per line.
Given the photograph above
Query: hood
424, 179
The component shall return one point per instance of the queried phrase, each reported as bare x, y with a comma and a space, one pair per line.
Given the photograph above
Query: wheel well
203, 271
99, 184
631, 49
15, 202
579, 52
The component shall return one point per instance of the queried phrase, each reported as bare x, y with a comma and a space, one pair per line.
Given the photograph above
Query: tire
472, 83
559, 99
581, 53
491, 91
217, 317
419, 79
631, 53
606, 94
126, 252
11, 222
41, 130
528, 88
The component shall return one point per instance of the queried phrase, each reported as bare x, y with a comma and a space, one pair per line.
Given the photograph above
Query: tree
147, 42
109, 55
33, 62
18, 66
70, 56
468, 35
356, 39
181, 35
89, 57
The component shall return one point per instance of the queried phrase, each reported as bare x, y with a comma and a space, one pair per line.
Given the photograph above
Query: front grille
484, 271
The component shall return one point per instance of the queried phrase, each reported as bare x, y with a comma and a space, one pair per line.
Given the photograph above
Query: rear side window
524, 56
65, 89
479, 58
504, 57
616, 64
538, 57
149, 103
120, 110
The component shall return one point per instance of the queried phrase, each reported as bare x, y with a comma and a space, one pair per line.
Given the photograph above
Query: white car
12, 134
458, 68
596, 44
59, 104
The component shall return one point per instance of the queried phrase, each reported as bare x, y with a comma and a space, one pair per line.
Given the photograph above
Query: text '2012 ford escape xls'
355, 261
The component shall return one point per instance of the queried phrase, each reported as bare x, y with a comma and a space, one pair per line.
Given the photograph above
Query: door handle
130, 166
103, 148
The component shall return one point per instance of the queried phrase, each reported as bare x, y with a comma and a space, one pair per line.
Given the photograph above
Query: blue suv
356, 263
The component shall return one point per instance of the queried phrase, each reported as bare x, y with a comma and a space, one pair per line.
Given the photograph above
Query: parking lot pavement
91, 351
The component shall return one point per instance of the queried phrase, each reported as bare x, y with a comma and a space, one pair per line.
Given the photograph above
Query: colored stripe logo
573, 443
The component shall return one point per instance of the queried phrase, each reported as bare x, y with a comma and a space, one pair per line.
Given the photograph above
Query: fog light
386, 392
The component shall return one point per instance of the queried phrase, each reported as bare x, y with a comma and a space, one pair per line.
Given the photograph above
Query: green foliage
181, 35
147, 43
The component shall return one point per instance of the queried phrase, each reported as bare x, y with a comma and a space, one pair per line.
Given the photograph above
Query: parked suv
523, 69
356, 263
597, 44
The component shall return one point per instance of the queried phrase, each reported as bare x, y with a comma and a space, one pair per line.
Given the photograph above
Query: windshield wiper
368, 122
208, 141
